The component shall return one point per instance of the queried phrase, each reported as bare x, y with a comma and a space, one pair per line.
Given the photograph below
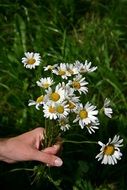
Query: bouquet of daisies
63, 105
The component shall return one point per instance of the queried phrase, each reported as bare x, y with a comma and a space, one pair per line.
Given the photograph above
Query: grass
65, 31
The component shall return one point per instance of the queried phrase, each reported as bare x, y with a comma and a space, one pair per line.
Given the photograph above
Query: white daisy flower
64, 124
72, 105
71, 69
68, 90
78, 65
110, 152
50, 67
31, 60
39, 102
73, 102
49, 110
62, 110
56, 96
74, 99
70, 97
79, 84
92, 126
107, 111
84, 68
61, 70
86, 114
45, 82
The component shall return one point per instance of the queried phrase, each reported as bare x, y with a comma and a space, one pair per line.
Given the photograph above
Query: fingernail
58, 162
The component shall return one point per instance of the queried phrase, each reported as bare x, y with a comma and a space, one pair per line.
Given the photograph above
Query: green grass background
64, 31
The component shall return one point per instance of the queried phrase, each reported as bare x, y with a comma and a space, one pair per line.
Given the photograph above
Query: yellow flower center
31, 61
70, 71
88, 125
76, 85
60, 109
52, 109
71, 105
40, 99
61, 72
83, 70
46, 85
55, 96
83, 114
62, 122
109, 150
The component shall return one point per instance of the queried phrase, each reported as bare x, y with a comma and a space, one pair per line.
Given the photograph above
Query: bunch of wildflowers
60, 102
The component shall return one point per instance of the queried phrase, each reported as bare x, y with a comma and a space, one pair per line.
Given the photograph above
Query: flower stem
79, 142
21, 169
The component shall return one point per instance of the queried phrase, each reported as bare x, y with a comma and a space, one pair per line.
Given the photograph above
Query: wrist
3, 142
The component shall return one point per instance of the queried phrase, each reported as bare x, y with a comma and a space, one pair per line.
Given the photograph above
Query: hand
25, 147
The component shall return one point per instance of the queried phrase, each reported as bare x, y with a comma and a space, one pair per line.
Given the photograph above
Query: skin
25, 147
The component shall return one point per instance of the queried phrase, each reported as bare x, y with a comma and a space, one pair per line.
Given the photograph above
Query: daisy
107, 111
64, 124
62, 110
50, 67
68, 90
72, 105
61, 70
31, 60
86, 114
110, 152
70, 97
45, 82
39, 102
49, 110
57, 95
79, 84
73, 102
84, 68
92, 126
71, 69
78, 65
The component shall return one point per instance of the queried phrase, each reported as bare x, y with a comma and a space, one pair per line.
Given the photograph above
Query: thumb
47, 158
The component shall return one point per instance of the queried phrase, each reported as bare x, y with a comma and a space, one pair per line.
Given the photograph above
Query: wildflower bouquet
63, 103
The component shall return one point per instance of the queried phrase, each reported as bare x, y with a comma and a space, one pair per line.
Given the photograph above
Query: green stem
21, 169
79, 142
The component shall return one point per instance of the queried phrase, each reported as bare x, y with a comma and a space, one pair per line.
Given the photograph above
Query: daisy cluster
61, 100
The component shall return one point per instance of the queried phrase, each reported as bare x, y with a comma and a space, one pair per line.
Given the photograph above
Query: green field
64, 31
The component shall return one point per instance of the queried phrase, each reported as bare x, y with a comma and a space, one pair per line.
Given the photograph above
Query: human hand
25, 147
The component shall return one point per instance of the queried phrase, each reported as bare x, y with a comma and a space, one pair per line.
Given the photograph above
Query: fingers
47, 158
38, 130
52, 150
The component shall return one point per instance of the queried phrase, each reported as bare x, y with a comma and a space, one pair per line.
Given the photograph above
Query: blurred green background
64, 31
